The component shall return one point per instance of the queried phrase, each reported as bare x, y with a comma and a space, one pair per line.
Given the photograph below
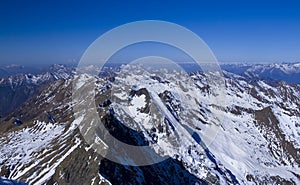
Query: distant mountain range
288, 72
18, 83
21, 83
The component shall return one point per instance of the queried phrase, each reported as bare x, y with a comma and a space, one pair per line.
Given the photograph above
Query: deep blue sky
60, 31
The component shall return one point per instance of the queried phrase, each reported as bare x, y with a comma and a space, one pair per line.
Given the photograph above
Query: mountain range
249, 136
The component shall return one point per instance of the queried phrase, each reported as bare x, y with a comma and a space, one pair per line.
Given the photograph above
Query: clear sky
59, 31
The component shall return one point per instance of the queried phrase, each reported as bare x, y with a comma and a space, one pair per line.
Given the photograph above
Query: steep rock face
80, 167
257, 138
279, 146
168, 172
150, 174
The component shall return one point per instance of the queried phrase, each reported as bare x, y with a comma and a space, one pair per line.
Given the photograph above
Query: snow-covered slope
35, 151
258, 135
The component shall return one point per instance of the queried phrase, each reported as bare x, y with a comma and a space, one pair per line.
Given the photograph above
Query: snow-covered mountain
249, 136
288, 72
9, 70
17, 88
54, 72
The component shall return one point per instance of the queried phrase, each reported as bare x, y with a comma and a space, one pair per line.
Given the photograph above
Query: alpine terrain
246, 131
